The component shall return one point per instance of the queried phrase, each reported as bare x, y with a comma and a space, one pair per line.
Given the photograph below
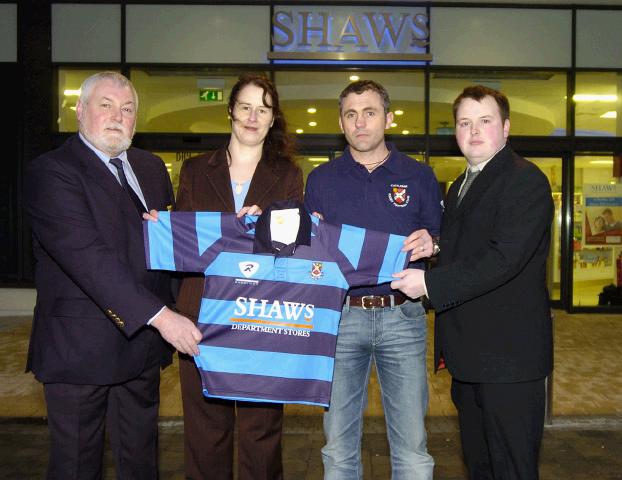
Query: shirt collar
480, 166
263, 238
392, 162
102, 156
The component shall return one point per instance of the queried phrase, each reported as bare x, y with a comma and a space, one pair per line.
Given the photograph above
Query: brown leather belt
375, 301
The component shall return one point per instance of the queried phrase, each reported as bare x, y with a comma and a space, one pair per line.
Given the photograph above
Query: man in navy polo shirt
374, 186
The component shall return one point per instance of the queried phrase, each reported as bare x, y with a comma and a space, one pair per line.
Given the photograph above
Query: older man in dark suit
493, 323
100, 318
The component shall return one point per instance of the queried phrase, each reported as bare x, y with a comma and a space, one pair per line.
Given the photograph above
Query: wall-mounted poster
602, 223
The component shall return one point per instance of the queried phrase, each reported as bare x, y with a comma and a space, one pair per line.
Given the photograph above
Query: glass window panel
597, 229
184, 101
98, 28
537, 99
8, 33
509, 37
552, 168
301, 91
199, 34
598, 104
595, 31
69, 81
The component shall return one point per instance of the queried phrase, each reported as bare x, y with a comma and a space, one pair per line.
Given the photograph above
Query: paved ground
572, 450
583, 442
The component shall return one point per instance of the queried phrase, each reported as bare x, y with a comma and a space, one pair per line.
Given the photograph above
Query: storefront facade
560, 65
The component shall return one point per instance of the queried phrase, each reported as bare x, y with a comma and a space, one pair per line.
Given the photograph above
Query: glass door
597, 233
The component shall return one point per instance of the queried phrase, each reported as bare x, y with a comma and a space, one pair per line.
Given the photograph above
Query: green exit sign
210, 95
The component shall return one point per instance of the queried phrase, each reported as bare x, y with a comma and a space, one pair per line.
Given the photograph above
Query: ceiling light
405, 132
312, 124
71, 93
299, 130
601, 162
586, 97
317, 159
168, 164
354, 78
393, 125
610, 114
72, 108
399, 112
311, 109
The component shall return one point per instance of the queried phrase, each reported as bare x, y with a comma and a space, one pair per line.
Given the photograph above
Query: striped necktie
118, 163
470, 176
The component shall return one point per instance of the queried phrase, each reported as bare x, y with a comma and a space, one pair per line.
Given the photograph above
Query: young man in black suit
100, 319
493, 324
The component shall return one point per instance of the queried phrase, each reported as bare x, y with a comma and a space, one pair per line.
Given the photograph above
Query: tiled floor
584, 441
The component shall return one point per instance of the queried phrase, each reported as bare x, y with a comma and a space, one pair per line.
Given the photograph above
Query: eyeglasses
245, 110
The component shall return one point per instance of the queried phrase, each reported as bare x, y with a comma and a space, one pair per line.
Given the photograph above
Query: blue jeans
396, 339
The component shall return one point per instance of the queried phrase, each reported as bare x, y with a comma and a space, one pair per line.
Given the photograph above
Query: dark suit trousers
209, 426
78, 415
501, 427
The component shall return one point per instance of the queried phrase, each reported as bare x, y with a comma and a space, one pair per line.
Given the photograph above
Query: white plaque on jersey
284, 225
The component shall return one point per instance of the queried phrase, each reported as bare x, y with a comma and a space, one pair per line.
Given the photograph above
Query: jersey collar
263, 239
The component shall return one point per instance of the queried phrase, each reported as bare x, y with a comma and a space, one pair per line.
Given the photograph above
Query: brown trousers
209, 426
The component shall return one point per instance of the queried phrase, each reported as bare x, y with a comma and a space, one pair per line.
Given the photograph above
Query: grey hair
120, 80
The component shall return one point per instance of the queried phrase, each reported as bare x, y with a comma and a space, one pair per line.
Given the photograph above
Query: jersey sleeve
365, 257
183, 241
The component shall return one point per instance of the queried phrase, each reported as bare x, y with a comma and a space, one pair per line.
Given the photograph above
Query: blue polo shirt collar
392, 164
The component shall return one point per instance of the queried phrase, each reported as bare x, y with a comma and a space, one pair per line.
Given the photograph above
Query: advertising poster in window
602, 223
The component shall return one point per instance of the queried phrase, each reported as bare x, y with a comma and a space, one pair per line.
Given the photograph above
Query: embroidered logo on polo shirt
316, 270
399, 195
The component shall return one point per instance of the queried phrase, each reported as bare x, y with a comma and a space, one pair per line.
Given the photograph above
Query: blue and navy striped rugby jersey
269, 323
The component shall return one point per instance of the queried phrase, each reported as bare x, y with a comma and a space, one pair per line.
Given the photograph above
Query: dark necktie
470, 176
118, 163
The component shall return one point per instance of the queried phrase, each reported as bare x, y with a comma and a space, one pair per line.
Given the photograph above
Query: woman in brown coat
255, 169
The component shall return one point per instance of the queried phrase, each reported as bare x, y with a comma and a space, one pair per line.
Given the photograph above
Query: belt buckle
371, 298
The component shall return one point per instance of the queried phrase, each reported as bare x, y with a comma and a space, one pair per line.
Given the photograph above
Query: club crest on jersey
316, 270
399, 195
248, 269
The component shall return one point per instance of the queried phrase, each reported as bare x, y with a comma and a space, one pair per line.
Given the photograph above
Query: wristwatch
435, 247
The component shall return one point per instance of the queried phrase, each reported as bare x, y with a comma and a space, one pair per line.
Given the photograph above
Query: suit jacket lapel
143, 175
217, 174
99, 176
264, 179
483, 181
97, 173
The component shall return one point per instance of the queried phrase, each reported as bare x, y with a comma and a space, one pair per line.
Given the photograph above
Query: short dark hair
607, 211
361, 86
477, 93
279, 144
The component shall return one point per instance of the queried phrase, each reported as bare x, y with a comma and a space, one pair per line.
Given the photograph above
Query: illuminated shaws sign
358, 34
